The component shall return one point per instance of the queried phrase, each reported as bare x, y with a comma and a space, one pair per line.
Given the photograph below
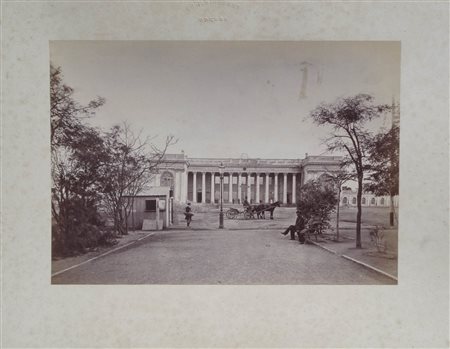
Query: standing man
188, 214
299, 226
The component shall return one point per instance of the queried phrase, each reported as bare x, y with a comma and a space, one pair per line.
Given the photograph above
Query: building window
235, 180
252, 180
382, 201
372, 201
150, 205
354, 201
344, 200
167, 179
363, 201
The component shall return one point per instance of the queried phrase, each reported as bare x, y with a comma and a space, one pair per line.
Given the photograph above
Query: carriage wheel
248, 215
231, 214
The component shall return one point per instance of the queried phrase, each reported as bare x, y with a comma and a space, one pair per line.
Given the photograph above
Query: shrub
81, 230
317, 200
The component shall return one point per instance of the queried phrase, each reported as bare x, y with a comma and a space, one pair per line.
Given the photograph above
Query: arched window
344, 200
382, 201
372, 202
363, 202
167, 179
354, 201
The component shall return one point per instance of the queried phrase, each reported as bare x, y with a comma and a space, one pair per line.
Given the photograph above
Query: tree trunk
358, 215
337, 214
121, 222
116, 223
126, 222
392, 213
132, 214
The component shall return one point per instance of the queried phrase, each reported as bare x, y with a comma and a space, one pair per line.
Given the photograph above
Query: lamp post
221, 167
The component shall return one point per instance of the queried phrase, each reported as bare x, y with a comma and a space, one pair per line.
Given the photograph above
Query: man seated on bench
299, 227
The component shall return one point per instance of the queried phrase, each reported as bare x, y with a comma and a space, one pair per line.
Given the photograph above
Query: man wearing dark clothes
188, 214
299, 226
247, 206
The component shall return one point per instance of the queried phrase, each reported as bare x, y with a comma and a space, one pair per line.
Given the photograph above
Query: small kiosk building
150, 209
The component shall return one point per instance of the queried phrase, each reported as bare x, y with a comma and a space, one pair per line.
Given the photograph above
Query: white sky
222, 99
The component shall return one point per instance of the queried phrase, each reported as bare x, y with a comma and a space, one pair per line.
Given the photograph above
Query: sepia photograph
225, 162
224, 174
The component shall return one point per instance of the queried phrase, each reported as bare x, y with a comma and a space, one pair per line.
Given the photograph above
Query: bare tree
347, 118
133, 161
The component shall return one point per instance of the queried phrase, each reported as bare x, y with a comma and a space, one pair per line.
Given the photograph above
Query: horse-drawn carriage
252, 211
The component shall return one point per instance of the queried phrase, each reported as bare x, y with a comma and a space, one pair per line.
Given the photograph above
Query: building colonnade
266, 187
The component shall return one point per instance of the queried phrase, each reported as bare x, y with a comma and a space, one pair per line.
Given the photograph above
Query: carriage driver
246, 204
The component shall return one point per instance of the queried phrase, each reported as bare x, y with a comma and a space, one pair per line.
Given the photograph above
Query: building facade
197, 180
349, 198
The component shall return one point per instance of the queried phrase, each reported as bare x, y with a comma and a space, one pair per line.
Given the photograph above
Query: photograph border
412, 313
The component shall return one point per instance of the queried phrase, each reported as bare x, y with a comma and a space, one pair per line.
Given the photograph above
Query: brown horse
262, 208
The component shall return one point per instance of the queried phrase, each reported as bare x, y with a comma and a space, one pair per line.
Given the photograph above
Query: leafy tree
317, 199
384, 165
66, 114
78, 156
92, 170
348, 118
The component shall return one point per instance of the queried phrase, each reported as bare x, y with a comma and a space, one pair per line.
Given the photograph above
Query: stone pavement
368, 254
207, 219
63, 263
227, 257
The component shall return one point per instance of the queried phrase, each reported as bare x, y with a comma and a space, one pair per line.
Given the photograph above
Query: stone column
276, 187
294, 191
249, 192
203, 187
230, 188
184, 186
257, 188
239, 187
284, 188
212, 187
266, 194
194, 186
176, 186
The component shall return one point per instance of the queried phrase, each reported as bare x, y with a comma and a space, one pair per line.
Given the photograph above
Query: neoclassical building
197, 180
349, 197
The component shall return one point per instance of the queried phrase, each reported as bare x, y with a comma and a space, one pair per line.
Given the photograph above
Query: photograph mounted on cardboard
225, 162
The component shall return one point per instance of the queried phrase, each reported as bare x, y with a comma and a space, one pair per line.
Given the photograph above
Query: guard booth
151, 209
